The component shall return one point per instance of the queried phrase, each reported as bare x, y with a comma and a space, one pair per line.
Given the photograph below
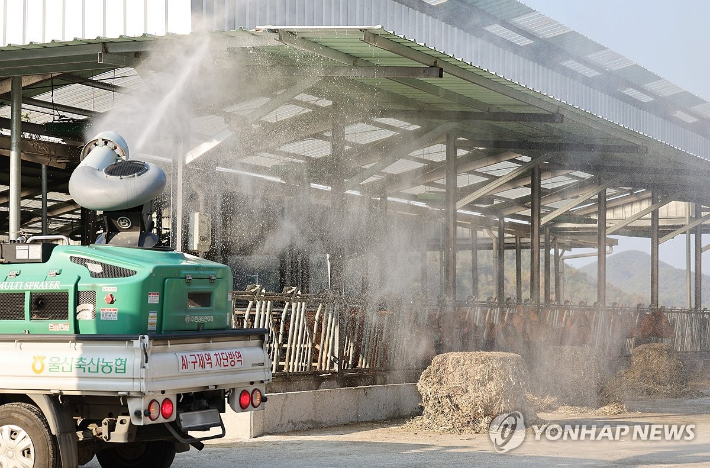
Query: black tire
153, 454
39, 447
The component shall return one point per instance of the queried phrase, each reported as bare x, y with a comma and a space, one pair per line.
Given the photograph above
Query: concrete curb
292, 411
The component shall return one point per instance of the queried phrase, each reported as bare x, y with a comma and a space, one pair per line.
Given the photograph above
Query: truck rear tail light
153, 410
167, 408
256, 398
244, 399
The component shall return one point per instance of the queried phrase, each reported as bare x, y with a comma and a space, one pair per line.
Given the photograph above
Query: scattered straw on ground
655, 371
607, 410
463, 392
612, 409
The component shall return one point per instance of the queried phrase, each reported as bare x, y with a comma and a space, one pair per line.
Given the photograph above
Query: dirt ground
389, 444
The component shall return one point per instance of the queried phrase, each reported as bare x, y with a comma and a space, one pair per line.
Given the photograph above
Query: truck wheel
25, 438
154, 454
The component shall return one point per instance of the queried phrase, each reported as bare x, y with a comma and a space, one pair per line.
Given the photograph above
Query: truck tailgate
122, 364
223, 361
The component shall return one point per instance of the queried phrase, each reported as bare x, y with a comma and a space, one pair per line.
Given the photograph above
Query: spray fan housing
108, 180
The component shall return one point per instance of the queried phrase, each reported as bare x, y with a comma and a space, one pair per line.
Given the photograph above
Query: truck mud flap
199, 421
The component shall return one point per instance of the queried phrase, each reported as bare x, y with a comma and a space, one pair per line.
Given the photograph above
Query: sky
670, 39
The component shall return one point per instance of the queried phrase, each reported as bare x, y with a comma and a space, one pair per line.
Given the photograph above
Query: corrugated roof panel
685, 117
556, 182
313, 148
540, 25
636, 94
268, 160
84, 97
663, 88
464, 180
396, 123
284, 112
499, 169
505, 9
507, 34
419, 189
575, 43
58, 196
402, 165
436, 153
363, 133
609, 59
580, 174
512, 194
320, 102
558, 204
703, 109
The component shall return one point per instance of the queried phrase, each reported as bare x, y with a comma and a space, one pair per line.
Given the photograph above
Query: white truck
131, 400
123, 349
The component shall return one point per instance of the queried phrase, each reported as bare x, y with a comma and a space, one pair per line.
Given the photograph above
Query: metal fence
325, 333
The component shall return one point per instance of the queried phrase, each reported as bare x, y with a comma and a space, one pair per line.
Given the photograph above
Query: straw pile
572, 375
463, 392
655, 370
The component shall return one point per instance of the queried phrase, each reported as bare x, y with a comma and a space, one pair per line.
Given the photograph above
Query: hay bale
463, 392
655, 370
571, 374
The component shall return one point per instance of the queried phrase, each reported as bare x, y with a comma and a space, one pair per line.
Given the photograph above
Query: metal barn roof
397, 101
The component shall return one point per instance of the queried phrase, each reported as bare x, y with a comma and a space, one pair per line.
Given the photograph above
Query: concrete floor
388, 444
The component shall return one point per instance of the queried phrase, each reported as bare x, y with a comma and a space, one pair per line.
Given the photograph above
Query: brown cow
509, 333
577, 330
653, 327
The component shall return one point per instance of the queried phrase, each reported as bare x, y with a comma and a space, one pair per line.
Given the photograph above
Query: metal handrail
51, 237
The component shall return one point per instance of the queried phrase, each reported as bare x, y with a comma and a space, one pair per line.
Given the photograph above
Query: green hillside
630, 271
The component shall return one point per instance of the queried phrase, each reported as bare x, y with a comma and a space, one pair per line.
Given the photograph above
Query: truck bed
132, 365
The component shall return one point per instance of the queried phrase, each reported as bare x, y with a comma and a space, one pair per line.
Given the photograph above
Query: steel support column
500, 270
688, 272
305, 280
535, 235
337, 201
283, 269
558, 272
518, 270
654, 251
601, 247
293, 265
425, 260
44, 199
698, 258
474, 262
337, 235
450, 228
15, 156
548, 267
